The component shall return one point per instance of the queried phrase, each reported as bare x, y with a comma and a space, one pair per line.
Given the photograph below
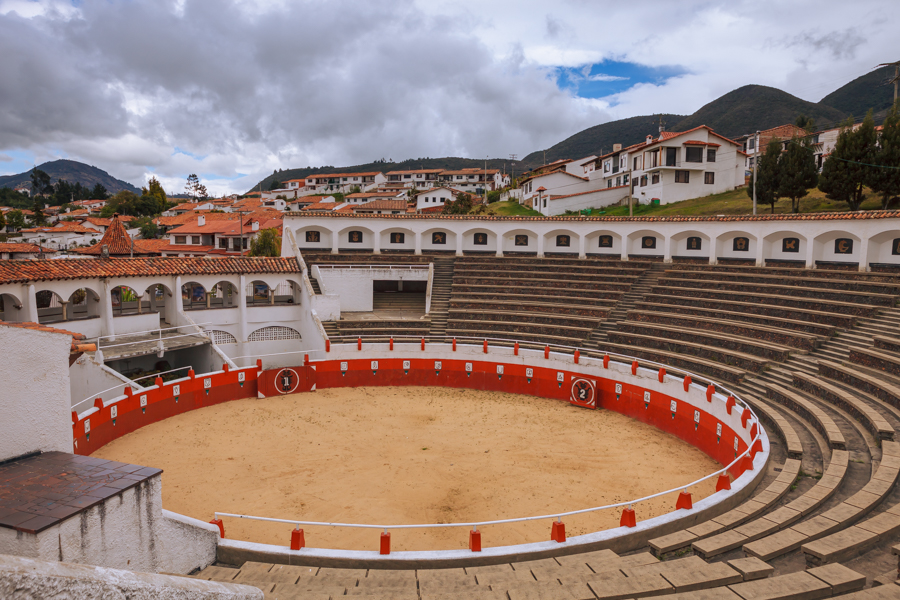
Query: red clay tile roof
19, 271
62, 226
23, 248
396, 204
187, 248
116, 239
833, 216
76, 337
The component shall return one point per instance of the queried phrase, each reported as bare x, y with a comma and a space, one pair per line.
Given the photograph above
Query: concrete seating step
879, 388
710, 351
684, 361
767, 350
821, 582
823, 388
752, 288
808, 410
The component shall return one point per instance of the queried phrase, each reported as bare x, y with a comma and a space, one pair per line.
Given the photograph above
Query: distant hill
73, 172
863, 93
599, 139
753, 107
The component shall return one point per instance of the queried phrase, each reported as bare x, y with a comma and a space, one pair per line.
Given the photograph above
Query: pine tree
797, 172
846, 170
266, 243
38, 218
886, 179
768, 175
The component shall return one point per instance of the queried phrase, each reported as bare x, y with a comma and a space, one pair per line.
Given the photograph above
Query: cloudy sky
232, 90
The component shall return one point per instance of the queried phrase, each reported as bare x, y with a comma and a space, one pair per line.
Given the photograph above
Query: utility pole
512, 164
755, 167
896, 78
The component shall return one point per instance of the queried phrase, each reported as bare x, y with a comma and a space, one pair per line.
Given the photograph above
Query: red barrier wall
702, 430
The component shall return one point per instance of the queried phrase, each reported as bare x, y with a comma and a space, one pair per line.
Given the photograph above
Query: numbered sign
207, 383
286, 381
406, 365
560, 377
437, 365
468, 367
647, 397
696, 416
529, 372
735, 443
618, 388
114, 411
143, 400
719, 429
584, 393
87, 426
499, 369
374, 365
343, 366
673, 405
176, 390
242, 377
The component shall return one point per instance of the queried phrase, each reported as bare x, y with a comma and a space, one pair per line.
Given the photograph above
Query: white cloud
246, 88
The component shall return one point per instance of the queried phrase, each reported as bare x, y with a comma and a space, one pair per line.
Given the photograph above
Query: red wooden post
359, 343
423, 343
454, 344
225, 367
628, 518
558, 531
729, 403
724, 482
298, 540
747, 463
756, 447
191, 371
546, 351
327, 345
305, 359
745, 416
634, 367
606, 361
392, 342
485, 347
385, 543
516, 349
475, 540
753, 431
662, 374
710, 390
684, 501
218, 523
687, 382
577, 356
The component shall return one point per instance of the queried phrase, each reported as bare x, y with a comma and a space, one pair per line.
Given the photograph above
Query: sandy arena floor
409, 455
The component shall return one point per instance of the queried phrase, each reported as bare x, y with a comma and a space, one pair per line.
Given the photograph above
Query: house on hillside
751, 148
117, 241
217, 237
64, 235
365, 197
19, 251
187, 207
435, 198
416, 178
396, 206
476, 181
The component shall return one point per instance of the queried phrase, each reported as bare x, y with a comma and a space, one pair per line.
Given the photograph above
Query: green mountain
757, 107
73, 172
863, 93
599, 139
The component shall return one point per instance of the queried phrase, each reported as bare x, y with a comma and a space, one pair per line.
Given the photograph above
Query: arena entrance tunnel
691, 407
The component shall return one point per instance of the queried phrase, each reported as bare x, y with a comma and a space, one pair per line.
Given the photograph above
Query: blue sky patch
611, 77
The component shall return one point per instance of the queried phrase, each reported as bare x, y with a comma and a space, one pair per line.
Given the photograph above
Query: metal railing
159, 331
554, 515
377, 267
124, 383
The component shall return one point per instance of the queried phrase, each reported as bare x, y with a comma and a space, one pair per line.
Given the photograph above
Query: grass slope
863, 93
73, 172
753, 107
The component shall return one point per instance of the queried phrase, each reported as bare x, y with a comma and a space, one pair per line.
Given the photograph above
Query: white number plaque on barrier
735, 443
719, 429
207, 383
696, 416
529, 372
143, 400
618, 388
437, 365
499, 369
374, 365
176, 390
114, 411
87, 425
560, 377
242, 377
406, 364
468, 367
673, 406
646, 396
343, 366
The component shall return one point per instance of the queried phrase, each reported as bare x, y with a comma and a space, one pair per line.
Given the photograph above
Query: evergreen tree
846, 170
2, 220
40, 183
885, 179
98, 193
768, 174
266, 243
38, 218
153, 198
461, 206
195, 189
797, 172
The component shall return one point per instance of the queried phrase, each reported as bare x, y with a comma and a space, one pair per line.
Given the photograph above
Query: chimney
254, 226
617, 147
201, 220
649, 139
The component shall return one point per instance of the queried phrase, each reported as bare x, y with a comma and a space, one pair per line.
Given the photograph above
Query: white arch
774, 247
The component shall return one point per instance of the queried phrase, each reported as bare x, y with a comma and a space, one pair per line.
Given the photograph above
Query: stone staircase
315, 285
638, 290
332, 329
440, 296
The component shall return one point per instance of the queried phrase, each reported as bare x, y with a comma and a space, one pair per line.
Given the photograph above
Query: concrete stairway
332, 329
440, 296
638, 290
315, 285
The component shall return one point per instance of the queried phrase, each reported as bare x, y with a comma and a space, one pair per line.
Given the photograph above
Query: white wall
35, 398
354, 285
88, 378
127, 531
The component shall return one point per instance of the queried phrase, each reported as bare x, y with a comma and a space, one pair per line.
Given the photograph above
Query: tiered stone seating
542, 300
863, 412
602, 576
817, 417
381, 330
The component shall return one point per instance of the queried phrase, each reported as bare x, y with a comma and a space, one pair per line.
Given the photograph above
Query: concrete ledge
28, 578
